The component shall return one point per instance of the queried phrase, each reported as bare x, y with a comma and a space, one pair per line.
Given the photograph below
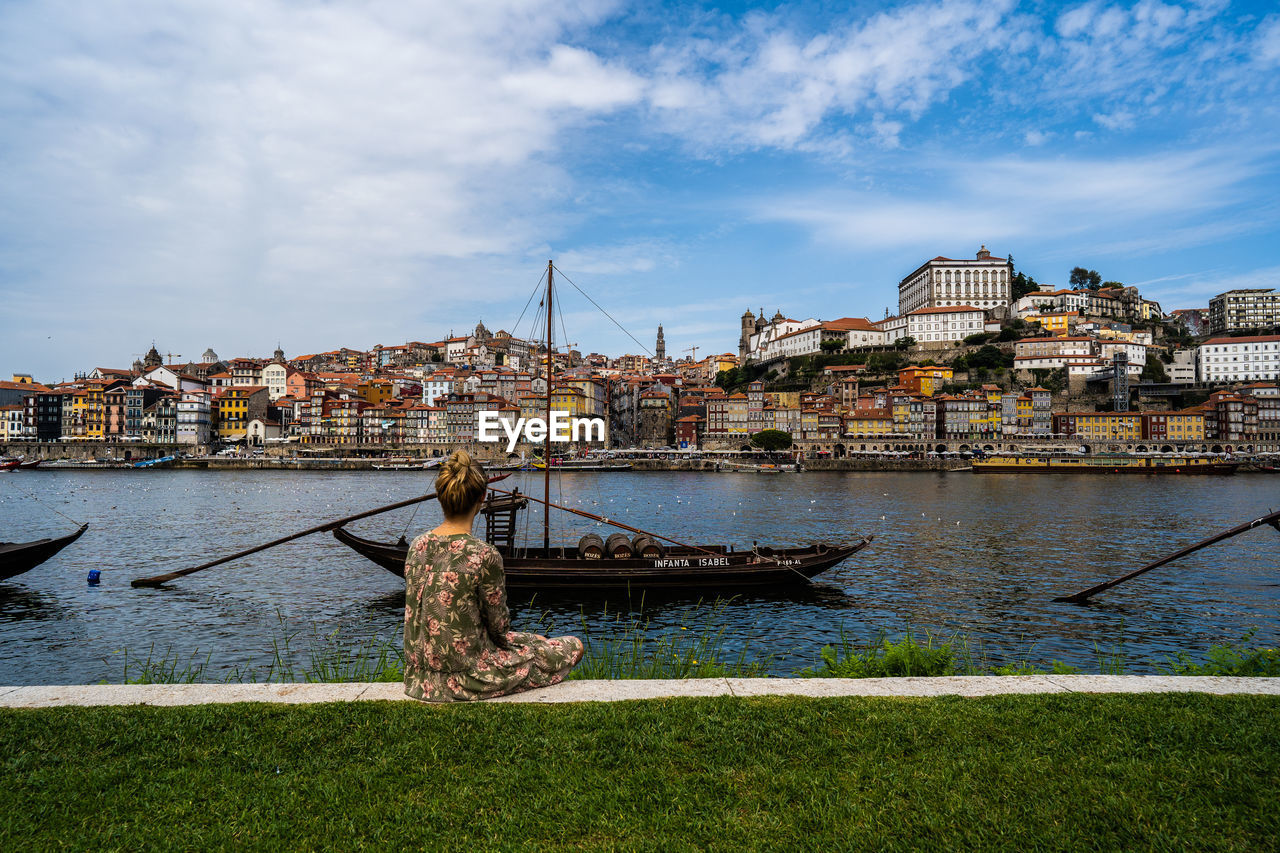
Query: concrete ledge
617, 691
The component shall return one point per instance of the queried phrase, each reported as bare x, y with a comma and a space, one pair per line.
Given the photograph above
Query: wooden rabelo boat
639, 564
18, 557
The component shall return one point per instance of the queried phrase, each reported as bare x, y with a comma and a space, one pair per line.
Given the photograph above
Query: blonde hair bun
461, 484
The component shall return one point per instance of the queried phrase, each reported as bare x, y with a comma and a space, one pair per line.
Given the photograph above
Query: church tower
660, 349
748, 329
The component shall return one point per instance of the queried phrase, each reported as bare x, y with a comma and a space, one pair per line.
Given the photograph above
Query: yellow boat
1100, 465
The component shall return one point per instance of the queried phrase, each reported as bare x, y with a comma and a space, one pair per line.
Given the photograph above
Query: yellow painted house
1057, 323
926, 380
236, 407
1100, 426
570, 400
994, 396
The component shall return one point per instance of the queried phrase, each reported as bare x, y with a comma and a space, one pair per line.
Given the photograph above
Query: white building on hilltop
1244, 359
935, 325
984, 282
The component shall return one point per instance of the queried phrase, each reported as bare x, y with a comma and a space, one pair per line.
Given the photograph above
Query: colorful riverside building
924, 380
237, 406
1230, 416
1186, 425
1099, 426
869, 423
1183, 426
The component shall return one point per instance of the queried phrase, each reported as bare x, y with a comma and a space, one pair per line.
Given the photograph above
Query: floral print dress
457, 639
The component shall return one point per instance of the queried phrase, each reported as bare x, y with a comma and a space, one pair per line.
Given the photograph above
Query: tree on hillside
1106, 285
771, 439
986, 358
831, 346
1021, 286
884, 362
1088, 279
1153, 371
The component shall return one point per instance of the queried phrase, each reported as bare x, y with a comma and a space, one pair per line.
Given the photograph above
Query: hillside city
978, 356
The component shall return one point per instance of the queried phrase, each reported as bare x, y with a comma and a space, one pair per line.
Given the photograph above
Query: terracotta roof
1251, 339
851, 324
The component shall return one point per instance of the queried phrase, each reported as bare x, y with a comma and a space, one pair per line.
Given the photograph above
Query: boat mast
546, 446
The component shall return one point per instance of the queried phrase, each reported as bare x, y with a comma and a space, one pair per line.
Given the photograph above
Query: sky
242, 173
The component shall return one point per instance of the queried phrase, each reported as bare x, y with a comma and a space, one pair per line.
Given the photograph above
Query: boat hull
679, 569
18, 557
1103, 466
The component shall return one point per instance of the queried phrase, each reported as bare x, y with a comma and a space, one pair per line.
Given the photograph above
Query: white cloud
1120, 120
1267, 41
1000, 200
767, 86
576, 78
314, 160
1198, 287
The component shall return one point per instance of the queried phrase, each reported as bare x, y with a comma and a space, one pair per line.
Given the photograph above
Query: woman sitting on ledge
457, 642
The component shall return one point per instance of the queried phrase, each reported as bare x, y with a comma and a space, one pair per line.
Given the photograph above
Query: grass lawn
1013, 773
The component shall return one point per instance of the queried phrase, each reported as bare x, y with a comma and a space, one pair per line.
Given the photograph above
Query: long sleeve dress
457, 639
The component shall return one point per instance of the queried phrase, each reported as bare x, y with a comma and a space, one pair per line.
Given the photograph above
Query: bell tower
660, 348
748, 329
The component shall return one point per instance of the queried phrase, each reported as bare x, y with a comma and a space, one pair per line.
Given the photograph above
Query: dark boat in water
709, 567
18, 557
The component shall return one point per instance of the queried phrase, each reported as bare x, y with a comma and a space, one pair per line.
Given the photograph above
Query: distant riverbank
709, 466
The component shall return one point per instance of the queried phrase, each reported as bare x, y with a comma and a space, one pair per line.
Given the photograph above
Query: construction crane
693, 353
172, 355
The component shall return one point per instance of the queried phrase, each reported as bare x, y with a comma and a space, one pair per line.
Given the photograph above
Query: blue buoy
95, 577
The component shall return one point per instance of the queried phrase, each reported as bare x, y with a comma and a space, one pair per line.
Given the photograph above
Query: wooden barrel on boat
646, 546
618, 546
591, 547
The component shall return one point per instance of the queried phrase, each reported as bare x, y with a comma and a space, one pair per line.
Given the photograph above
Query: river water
959, 552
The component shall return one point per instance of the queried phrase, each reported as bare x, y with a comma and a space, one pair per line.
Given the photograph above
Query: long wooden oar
1083, 596
320, 528
615, 523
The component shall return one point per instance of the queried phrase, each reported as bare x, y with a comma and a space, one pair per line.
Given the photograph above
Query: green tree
1022, 285
985, 358
771, 439
1081, 277
1106, 285
906, 343
1051, 379
884, 362
832, 347
1153, 371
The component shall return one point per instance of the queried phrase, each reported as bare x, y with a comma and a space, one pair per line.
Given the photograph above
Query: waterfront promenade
970, 686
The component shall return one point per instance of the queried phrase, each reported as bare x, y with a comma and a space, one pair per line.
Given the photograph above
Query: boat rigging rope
45, 505
604, 312
412, 516
515, 329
